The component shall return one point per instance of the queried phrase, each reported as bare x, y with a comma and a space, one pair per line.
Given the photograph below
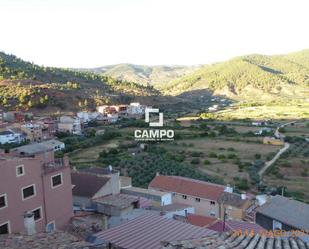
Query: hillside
145, 75
24, 85
255, 77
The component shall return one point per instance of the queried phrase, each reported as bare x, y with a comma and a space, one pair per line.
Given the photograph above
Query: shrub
212, 155
207, 162
195, 161
221, 157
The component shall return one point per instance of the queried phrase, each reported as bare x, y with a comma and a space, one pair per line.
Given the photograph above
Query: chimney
157, 174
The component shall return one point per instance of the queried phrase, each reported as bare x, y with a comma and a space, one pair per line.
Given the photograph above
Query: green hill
145, 75
24, 85
255, 77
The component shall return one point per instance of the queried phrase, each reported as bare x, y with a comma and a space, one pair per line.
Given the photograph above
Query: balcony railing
58, 163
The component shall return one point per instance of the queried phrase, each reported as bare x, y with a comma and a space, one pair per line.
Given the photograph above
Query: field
220, 157
277, 112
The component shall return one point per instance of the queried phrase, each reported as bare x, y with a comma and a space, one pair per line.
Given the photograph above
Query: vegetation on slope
252, 76
145, 75
24, 85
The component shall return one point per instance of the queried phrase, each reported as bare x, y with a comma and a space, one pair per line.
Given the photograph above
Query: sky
93, 33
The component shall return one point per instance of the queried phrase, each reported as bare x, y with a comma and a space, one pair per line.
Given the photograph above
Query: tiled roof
87, 185
200, 220
53, 240
147, 232
233, 225
228, 241
287, 211
187, 186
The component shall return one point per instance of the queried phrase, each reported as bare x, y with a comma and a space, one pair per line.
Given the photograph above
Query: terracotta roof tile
187, 186
199, 220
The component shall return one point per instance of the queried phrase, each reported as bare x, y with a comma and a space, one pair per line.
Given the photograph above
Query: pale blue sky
90, 33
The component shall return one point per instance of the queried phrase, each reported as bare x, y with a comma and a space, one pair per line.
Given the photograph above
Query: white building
9, 136
136, 109
54, 144
71, 125
86, 117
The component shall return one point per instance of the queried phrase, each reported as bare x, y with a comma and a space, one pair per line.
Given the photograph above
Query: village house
70, 125
35, 190
203, 196
34, 131
10, 136
86, 117
136, 109
282, 213
208, 199
233, 205
14, 116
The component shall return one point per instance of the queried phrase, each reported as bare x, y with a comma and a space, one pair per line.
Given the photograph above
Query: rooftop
147, 231
145, 191
187, 186
42, 240
51, 143
119, 200
225, 241
200, 220
32, 149
233, 225
87, 185
232, 199
171, 207
287, 211
98, 170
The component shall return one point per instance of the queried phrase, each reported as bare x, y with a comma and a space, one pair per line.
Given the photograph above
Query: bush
196, 154
212, 155
231, 156
195, 161
221, 157
207, 162
257, 156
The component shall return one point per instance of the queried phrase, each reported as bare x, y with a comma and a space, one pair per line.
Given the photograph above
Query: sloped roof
234, 225
87, 185
225, 240
200, 220
187, 186
287, 211
147, 231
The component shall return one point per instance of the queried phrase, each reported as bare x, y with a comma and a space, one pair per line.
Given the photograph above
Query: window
5, 228
56, 180
3, 201
28, 191
20, 171
197, 199
37, 213
212, 202
212, 214
184, 197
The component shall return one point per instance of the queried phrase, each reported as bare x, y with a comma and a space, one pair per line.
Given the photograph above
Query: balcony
57, 164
